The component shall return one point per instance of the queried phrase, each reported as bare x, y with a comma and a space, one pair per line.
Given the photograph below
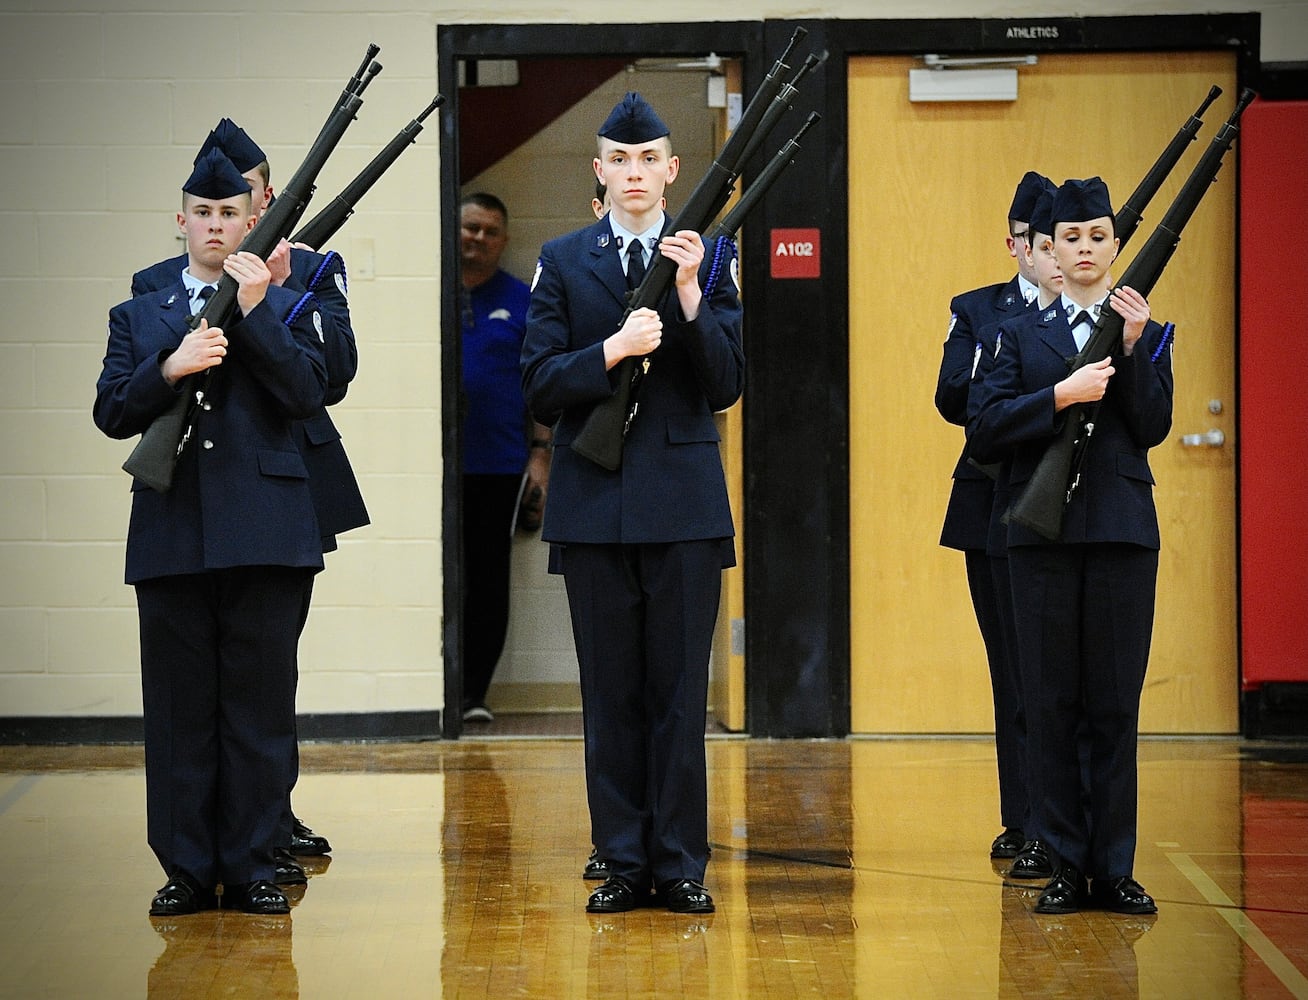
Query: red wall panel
1273, 150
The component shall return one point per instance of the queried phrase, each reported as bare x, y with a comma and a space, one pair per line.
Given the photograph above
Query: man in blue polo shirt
499, 440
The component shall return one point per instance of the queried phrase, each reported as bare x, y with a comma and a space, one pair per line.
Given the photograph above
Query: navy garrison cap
633, 120
216, 177
1080, 201
1039, 221
233, 140
1028, 190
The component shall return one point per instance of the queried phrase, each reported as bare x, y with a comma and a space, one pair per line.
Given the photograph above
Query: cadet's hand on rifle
279, 263
639, 336
1134, 310
1085, 385
252, 275
200, 349
686, 248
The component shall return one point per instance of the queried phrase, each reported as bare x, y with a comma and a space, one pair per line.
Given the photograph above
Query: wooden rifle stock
1057, 475
601, 437
154, 459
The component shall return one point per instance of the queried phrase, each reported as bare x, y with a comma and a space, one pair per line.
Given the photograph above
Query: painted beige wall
101, 107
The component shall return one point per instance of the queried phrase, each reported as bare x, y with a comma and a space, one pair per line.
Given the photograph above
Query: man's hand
199, 350
279, 263
639, 336
686, 248
252, 275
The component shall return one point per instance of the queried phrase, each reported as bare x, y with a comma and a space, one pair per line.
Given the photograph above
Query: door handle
1210, 439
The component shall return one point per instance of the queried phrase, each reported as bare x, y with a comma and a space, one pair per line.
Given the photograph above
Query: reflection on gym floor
855, 868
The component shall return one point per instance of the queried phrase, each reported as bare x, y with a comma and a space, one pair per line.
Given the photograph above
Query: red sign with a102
796, 253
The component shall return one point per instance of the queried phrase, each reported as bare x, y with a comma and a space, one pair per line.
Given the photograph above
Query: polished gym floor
852, 868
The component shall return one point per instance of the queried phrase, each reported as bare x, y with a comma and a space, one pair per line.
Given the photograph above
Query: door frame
738, 39
797, 567
796, 401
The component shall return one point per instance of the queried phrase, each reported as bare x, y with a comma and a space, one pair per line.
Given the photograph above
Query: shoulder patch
536, 277
953, 322
976, 358
340, 282
317, 325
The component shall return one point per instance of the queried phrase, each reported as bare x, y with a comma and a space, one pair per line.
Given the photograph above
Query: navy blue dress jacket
337, 498
971, 498
1013, 414
240, 494
670, 486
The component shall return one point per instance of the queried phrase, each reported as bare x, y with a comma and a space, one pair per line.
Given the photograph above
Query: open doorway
536, 160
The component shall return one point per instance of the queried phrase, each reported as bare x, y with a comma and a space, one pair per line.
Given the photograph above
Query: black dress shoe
686, 896
1121, 895
255, 897
180, 895
286, 870
616, 895
597, 869
1067, 892
1008, 843
1032, 861
305, 842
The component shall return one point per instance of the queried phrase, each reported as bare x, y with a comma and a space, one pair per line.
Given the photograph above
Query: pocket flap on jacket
319, 429
692, 429
1134, 467
282, 463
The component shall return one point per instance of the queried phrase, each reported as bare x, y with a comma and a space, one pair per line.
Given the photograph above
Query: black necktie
1081, 317
204, 295
635, 264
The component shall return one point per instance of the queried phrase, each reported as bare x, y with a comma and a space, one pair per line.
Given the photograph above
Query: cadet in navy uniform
336, 497
1032, 861
642, 548
1084, 604
967, 518
223, 560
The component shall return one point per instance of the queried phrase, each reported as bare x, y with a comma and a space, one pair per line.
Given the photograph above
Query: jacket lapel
604, 261
1010, 298
175, 310
1055, 332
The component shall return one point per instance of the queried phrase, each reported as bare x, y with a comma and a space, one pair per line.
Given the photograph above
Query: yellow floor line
1291, 978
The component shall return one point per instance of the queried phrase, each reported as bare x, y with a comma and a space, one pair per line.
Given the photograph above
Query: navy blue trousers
1085, 618
218, 672
642, 620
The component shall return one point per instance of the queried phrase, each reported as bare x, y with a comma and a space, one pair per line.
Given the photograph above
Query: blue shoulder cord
322, 268
715, 271
299, 306
1163, 341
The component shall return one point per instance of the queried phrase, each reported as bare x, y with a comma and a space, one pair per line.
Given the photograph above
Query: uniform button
208, 444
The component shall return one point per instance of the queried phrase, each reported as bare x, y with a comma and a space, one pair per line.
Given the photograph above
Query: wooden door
727, 696
929, 188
